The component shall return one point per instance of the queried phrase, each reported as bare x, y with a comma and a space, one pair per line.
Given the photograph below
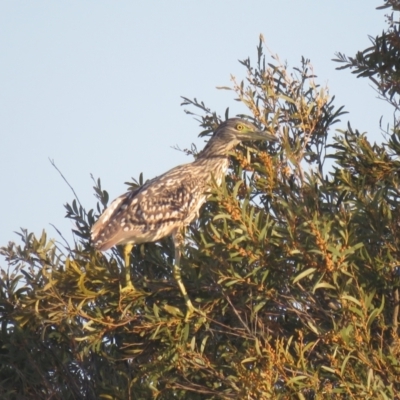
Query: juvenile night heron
168, 203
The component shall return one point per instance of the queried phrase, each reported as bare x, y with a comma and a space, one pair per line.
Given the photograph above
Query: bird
165, 205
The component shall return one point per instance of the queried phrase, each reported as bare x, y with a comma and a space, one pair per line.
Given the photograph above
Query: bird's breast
219, 170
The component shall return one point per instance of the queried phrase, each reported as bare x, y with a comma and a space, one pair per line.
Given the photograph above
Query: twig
65, 179
193, 387
67, 246
395, 318
237, 314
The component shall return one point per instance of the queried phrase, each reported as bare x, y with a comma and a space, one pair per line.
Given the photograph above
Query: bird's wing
151, 212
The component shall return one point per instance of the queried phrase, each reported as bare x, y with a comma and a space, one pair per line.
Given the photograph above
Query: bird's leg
178, 242
127, 257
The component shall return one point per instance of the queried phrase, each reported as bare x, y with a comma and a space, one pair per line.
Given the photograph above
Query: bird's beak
260, 135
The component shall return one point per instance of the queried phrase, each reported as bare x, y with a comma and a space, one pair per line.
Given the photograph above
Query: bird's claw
193, 310
130, 290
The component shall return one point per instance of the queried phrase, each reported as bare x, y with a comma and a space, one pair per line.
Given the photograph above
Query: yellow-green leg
178, 238
177, 275
127, 260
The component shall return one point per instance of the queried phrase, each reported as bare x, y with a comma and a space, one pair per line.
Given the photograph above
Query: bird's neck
217, 148
214, 159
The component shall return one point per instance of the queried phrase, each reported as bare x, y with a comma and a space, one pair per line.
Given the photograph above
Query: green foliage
381, 61
296, 270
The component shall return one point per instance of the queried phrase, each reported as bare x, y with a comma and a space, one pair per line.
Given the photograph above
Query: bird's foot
191, 310
130, 290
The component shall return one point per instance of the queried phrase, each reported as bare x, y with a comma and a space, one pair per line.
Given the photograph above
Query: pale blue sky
96, 86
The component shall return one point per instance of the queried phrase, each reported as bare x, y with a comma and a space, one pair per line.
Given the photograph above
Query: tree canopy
295, 265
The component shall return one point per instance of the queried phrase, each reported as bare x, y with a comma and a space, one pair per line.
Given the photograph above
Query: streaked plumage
168, 203
154, 210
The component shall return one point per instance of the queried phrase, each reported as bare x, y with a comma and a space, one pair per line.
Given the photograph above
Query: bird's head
239, 130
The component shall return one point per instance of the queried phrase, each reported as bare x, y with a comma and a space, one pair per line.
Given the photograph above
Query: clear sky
96, 86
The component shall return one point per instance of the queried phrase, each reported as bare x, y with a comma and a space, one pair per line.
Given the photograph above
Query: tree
295, 268
380, 62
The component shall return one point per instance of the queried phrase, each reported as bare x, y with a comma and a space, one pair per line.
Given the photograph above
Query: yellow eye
239, 127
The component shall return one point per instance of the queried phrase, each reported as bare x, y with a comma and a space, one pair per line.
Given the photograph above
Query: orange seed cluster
320, 242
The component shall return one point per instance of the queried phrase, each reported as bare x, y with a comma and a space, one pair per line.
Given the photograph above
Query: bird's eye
239, 127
